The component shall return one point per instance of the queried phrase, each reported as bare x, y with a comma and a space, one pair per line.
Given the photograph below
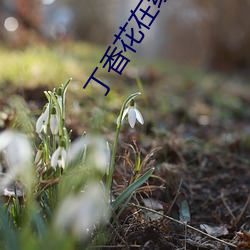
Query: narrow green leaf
65, 87
185, 212
128, 191
10, 236
39, 222
138, 163
122, 209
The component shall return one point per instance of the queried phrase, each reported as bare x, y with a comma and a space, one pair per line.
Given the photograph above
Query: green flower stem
54, 142
112, 164
47, 140
66, 137
63, 100
52, 95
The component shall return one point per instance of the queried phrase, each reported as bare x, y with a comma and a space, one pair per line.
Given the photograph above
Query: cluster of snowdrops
66, 186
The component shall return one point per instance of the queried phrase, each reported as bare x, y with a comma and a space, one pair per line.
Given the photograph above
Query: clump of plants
58, 192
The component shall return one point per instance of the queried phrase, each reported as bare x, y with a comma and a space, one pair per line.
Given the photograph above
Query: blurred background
212, 34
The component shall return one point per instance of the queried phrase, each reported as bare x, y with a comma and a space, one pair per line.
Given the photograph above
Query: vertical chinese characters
117, 61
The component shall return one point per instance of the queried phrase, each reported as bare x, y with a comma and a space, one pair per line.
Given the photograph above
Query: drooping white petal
77, 148
133, 114
98, 152
39, 123
63, 159
101, 154
59, 99
38, 156
54, 124
123, 115
19, 151
59, 158
44, 127
18, 156
55, 156
139, 116
5, 139
61, 163
78, 214
46, 113
125, 112
117, 120
132, 117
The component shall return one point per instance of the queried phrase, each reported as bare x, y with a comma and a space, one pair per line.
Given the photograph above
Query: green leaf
10, 236
185, 212
122, 209
129, 190
65, 87
39, 222
138, 163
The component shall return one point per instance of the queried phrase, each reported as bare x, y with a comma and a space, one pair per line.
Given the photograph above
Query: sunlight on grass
46, 65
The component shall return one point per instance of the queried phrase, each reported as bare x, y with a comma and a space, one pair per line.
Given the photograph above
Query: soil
202, 168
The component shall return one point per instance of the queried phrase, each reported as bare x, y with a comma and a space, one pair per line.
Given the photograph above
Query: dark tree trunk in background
229, 34
28, 15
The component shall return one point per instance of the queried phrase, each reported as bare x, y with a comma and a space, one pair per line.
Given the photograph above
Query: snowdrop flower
59, 97
54, 121
39, 154
79, 214
59, 157
42, 122
98, 152
17, 152
133, 114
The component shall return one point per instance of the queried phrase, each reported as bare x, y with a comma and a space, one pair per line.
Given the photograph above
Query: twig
184, 224
227, 207
116, 246
48, 185
175, 198
185, 242
239, 217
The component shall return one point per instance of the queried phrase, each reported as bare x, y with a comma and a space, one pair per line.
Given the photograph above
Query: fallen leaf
245, 236
153, 204
215, 231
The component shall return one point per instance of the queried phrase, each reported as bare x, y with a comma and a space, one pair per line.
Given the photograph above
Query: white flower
98, 152
17, 152
39, 154
59, 99
133, 114
42, 122
59, 157
54, 121
79, 214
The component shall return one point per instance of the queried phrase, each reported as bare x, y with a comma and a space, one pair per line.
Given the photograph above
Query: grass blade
128, 191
